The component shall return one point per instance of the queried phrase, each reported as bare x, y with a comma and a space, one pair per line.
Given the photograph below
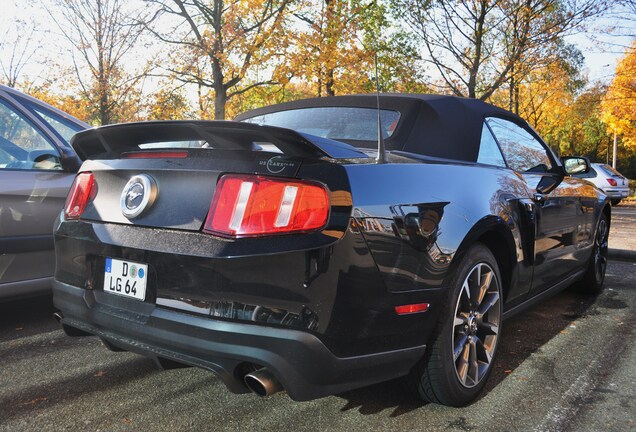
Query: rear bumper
617, 193
306, 368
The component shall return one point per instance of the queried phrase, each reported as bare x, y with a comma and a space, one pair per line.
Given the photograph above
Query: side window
65, 128
489, 152
521, 150
22, 146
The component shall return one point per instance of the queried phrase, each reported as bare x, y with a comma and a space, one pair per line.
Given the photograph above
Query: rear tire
592, 282
460, 357
615, 202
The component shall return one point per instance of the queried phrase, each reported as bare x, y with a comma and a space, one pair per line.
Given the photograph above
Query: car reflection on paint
610, 181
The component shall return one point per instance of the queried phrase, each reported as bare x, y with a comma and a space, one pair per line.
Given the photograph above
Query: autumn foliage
619, 104
216, 58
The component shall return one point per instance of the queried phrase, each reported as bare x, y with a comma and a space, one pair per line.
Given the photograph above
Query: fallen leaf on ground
36, 400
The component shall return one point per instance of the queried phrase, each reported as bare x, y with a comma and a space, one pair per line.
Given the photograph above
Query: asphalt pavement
622, 238
568, 364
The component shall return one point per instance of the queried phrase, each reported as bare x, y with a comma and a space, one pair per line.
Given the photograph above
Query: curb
622, 254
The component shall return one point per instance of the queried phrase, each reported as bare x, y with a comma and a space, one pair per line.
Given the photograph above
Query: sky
603, 45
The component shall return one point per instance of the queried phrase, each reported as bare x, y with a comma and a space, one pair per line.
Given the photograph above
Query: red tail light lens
611, 181
82, 191
250, 205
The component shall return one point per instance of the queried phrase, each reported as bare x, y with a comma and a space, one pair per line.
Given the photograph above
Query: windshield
337, 123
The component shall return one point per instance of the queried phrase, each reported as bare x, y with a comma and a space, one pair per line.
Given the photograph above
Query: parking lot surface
567, 364
623, 230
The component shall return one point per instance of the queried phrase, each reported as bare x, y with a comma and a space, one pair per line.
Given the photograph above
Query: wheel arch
607, 210
496, 235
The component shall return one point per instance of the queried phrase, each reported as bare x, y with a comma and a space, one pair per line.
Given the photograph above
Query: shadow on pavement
522, 335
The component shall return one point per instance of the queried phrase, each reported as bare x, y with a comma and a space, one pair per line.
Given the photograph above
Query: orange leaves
619, 105
327, 50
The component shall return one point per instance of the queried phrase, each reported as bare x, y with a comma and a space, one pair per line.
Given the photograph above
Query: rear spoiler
109, 142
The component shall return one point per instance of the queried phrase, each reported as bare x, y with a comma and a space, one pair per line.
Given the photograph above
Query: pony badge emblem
138, 195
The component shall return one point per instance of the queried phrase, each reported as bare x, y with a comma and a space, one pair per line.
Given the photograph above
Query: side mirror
69, 160
575, 165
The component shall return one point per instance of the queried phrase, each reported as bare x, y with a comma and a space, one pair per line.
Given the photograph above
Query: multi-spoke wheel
595, 274
476, 325
462, 352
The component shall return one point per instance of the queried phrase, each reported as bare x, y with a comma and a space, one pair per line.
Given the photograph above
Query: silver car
610, 181
37, 167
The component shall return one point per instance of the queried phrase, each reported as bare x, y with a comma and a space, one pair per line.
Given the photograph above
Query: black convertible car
285, 251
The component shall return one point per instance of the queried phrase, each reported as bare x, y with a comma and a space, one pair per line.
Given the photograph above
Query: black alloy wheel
460, 359
597, 265
476, 325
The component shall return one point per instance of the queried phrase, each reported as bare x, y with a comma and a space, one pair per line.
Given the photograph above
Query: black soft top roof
433, 125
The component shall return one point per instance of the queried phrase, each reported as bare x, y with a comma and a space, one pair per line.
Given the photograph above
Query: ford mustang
326, 244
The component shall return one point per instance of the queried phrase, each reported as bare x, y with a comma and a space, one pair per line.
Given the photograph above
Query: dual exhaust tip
263, 383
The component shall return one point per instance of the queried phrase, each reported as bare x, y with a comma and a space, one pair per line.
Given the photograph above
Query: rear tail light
611, 181
82, 191
250, 205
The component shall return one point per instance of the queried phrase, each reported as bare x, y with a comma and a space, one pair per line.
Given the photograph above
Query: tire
460, 357
592, 282
615, 202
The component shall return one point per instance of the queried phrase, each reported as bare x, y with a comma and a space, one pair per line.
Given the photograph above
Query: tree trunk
330, 83
102, 85
220, 99
511, 95
476, 60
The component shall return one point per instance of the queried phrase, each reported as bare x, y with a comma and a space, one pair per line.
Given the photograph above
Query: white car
610, 181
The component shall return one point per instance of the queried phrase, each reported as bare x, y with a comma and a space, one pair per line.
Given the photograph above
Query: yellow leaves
327, 51
619, 105
168, 105
76, 106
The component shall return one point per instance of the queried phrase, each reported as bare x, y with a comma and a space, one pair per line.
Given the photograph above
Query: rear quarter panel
417, 217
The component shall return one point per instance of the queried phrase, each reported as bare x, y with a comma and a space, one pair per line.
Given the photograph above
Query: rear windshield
608, 170
337, 123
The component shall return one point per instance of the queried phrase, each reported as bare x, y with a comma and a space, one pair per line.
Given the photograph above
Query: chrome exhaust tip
262, 382
68, 330
58, 317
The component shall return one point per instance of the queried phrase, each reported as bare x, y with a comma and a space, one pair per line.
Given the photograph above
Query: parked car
37, 167
610, 181
309, 261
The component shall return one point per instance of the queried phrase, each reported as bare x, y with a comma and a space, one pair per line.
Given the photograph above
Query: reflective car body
37, 167
610, 181
358, 298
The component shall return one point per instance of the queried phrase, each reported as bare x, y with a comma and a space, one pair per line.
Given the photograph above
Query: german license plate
125, 278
